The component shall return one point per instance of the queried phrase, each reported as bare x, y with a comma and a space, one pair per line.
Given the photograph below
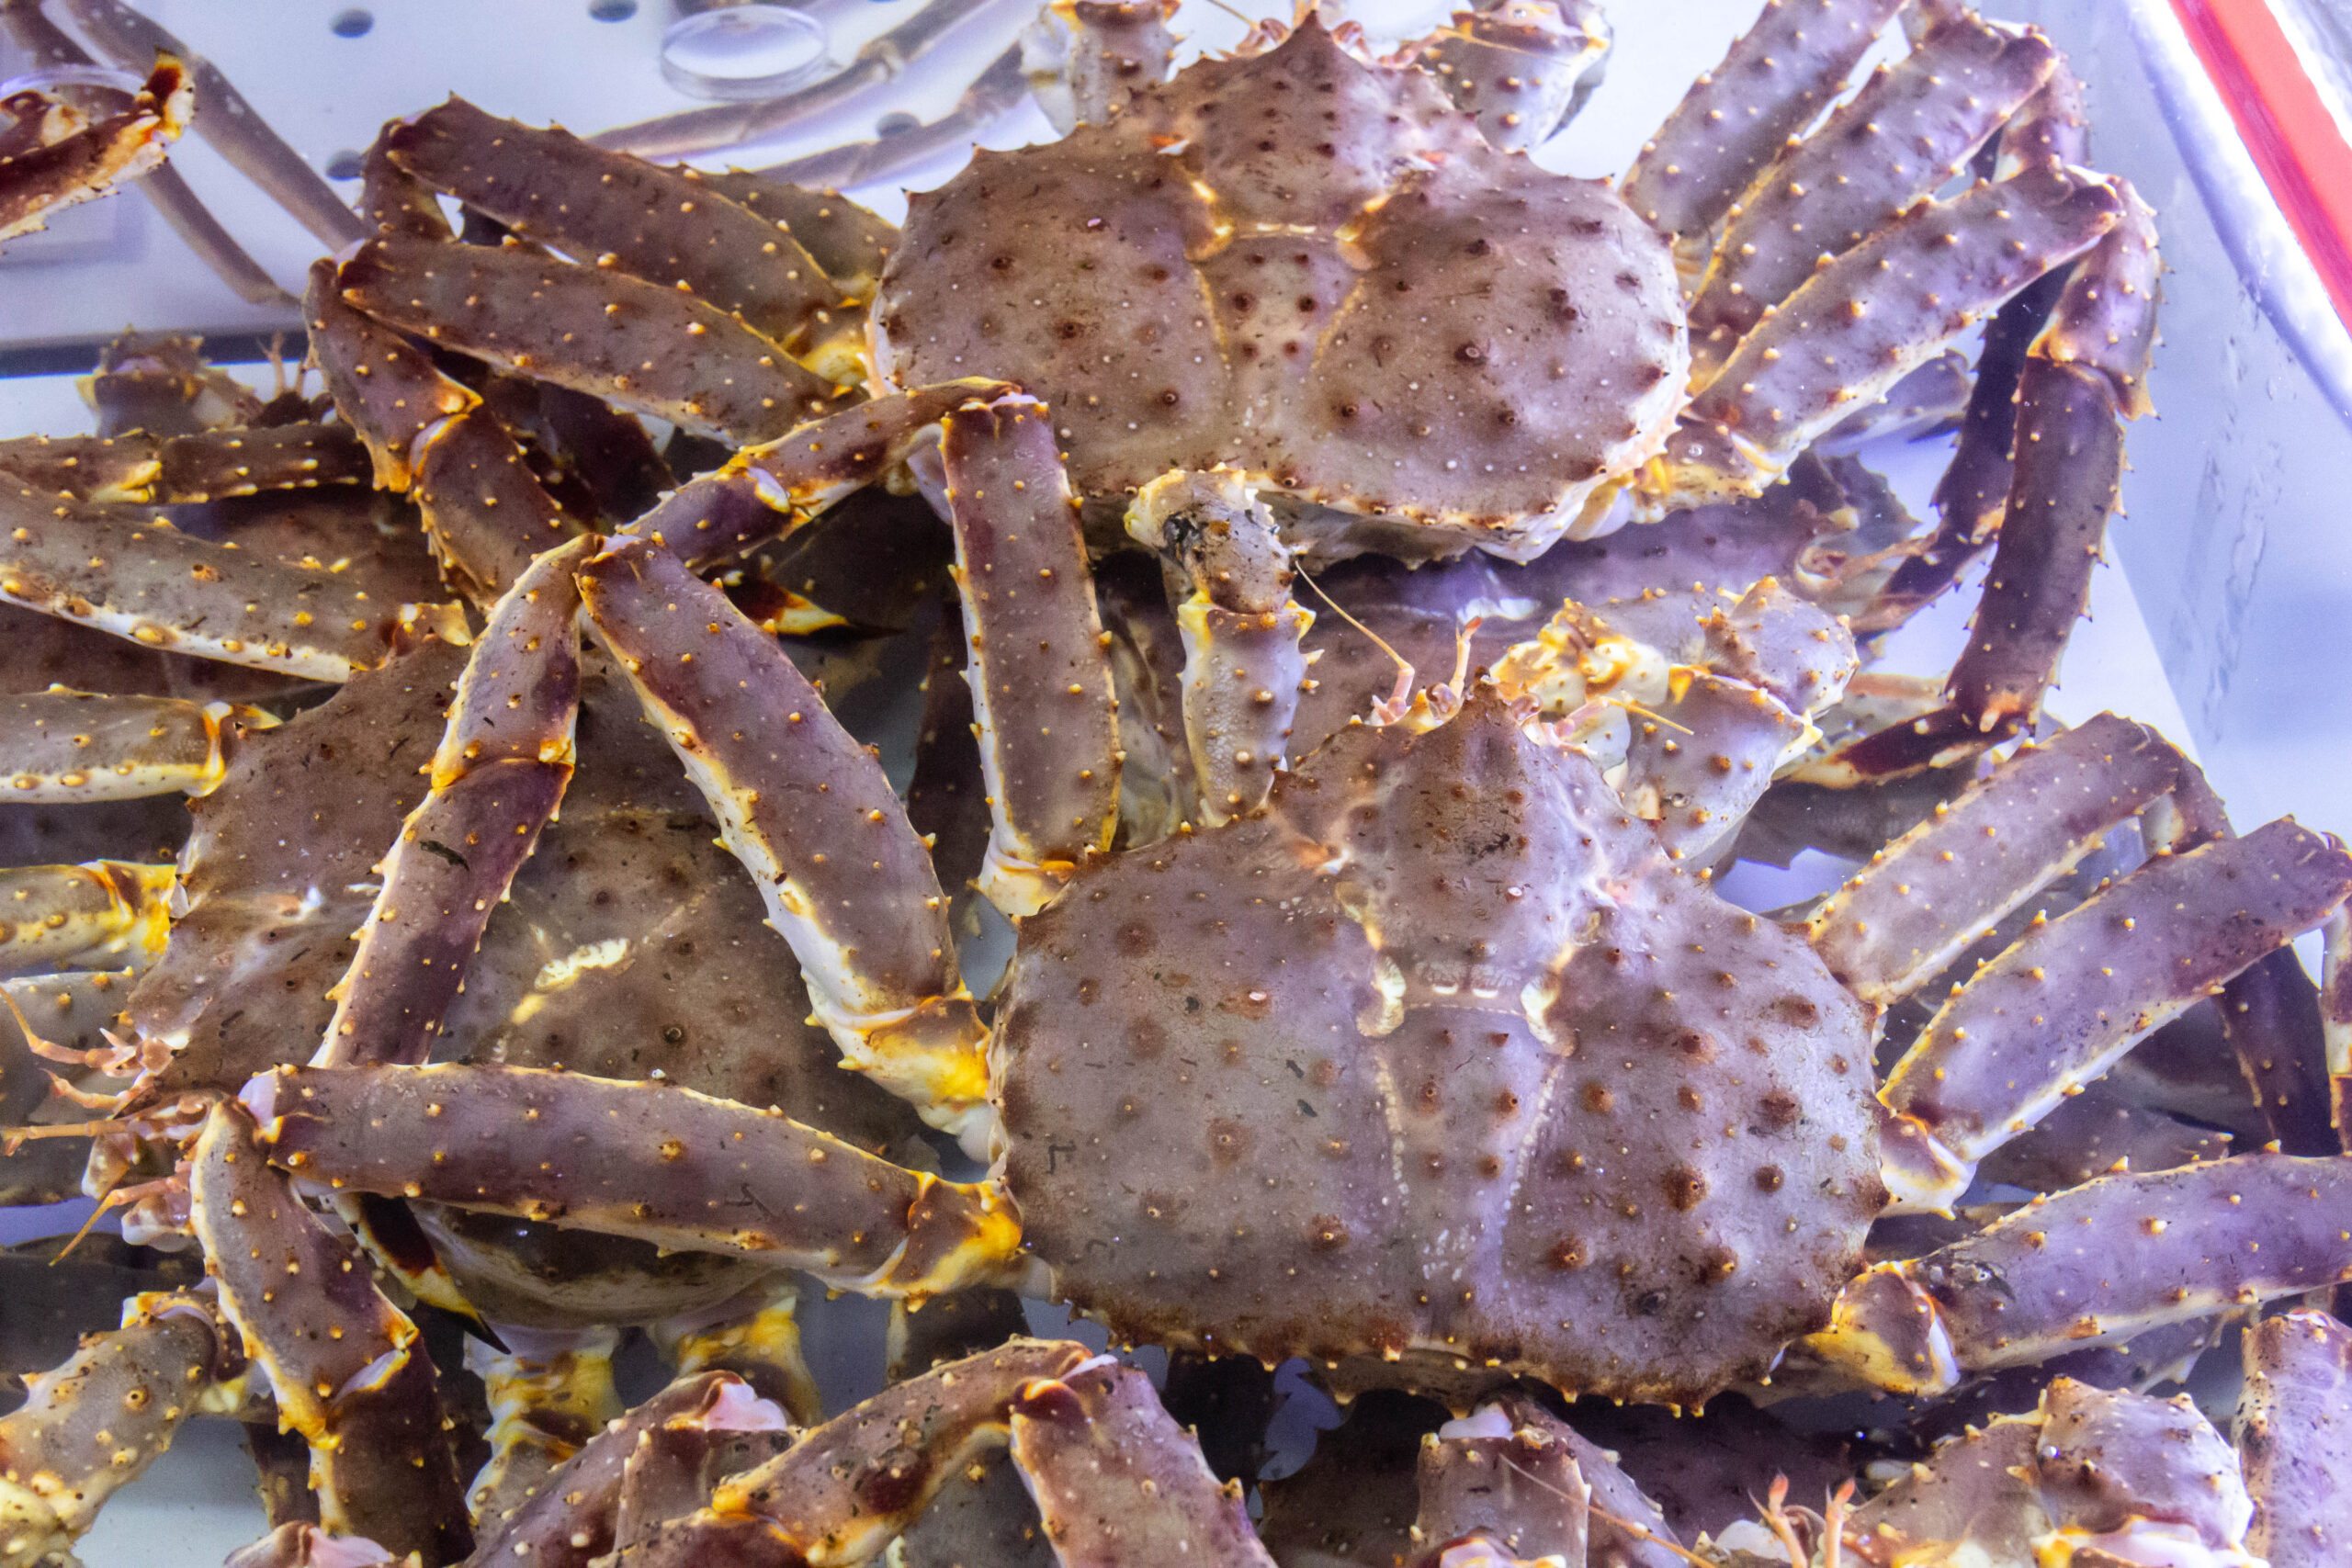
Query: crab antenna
1629, 705
1404, 689
1644, 1533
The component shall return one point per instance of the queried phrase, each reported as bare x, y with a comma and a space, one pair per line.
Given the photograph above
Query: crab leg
1623, 1529
1041, 685
569, 1518
179, 468
1975, 486
106, 915
349, 1371
1866, 319
767, 491
656, 350
677, 1465
948, 1328
664, 225
383, 384
395, 201
757, 1339
1910, 131
281, 1465
59, 1020
1923, 899
1695, 763
1693, 770
846, 240
66, 746
1926, 402
1736, 118
94, 1424
544, 1405
842, 1492
137, 577
993, 94
231, 124
2063, 1005
486, 514
1522, 67
1510, 1484
677, 1469
947, 795
35, 36
2270, 1015
1974, 489
2335, 1021
1244, 662
93, 161
731, 125
2083, 377
2294, 1437
2098, 1264
809, 811
2097, 1133
640, 1159
1084, 59
497, 779
1117, 1480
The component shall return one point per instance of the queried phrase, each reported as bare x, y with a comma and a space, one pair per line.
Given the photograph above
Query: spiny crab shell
1442, 1029
1314, 271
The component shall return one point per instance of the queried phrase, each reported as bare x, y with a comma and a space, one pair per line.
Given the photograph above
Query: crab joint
1885, 1331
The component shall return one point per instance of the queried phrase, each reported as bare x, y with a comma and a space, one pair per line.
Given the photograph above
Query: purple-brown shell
1437, 1057
1314, 270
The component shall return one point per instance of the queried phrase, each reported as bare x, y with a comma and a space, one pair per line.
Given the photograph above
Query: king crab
1390, 981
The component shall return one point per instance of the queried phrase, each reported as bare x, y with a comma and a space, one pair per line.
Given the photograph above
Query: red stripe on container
2294, 139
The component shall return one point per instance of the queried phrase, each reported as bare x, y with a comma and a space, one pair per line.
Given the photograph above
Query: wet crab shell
1596, 1125
1314, 270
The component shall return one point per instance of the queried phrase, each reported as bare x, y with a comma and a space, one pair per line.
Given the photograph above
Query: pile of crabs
455, 923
